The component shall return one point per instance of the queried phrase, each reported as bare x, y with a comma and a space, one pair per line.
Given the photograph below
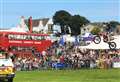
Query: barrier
58, 65
116, 64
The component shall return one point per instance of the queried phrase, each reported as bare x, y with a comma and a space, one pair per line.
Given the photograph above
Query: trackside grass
83, 75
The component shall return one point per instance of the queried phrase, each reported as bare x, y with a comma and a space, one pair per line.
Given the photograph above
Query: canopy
15, 29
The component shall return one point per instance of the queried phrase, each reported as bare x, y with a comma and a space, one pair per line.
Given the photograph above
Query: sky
93, 10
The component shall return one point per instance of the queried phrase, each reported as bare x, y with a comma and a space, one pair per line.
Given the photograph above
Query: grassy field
93, 75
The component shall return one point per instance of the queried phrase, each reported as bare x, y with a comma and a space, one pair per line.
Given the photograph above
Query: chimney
30, 24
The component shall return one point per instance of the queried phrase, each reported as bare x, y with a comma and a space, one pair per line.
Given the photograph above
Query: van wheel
10, 80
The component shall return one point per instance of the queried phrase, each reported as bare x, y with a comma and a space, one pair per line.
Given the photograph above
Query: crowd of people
68, 56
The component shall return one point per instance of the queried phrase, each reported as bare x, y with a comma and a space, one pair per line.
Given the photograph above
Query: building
89, 27
43, 25
86, 29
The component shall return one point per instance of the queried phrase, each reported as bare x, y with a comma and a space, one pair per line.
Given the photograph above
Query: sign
116, 64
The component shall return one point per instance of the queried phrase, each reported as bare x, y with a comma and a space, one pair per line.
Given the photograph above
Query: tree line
71, 24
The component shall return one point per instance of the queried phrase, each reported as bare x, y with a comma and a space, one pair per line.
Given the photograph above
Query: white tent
17, 29
68, 38
102, 45
14, 29
22, 27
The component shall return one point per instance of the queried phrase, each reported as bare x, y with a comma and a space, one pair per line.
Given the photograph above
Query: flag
76, 41
62, 42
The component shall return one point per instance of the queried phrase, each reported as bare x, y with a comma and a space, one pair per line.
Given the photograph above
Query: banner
116, 64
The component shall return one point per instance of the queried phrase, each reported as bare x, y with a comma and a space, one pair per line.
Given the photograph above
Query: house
43, 25
89, 27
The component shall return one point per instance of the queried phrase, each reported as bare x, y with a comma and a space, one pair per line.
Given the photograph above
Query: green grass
93, 75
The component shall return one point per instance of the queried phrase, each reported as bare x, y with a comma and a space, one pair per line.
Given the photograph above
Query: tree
62, 18
111, 25
76, 22
66, 20
95, 30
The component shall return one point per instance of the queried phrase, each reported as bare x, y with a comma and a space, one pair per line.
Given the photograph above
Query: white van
6, 69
